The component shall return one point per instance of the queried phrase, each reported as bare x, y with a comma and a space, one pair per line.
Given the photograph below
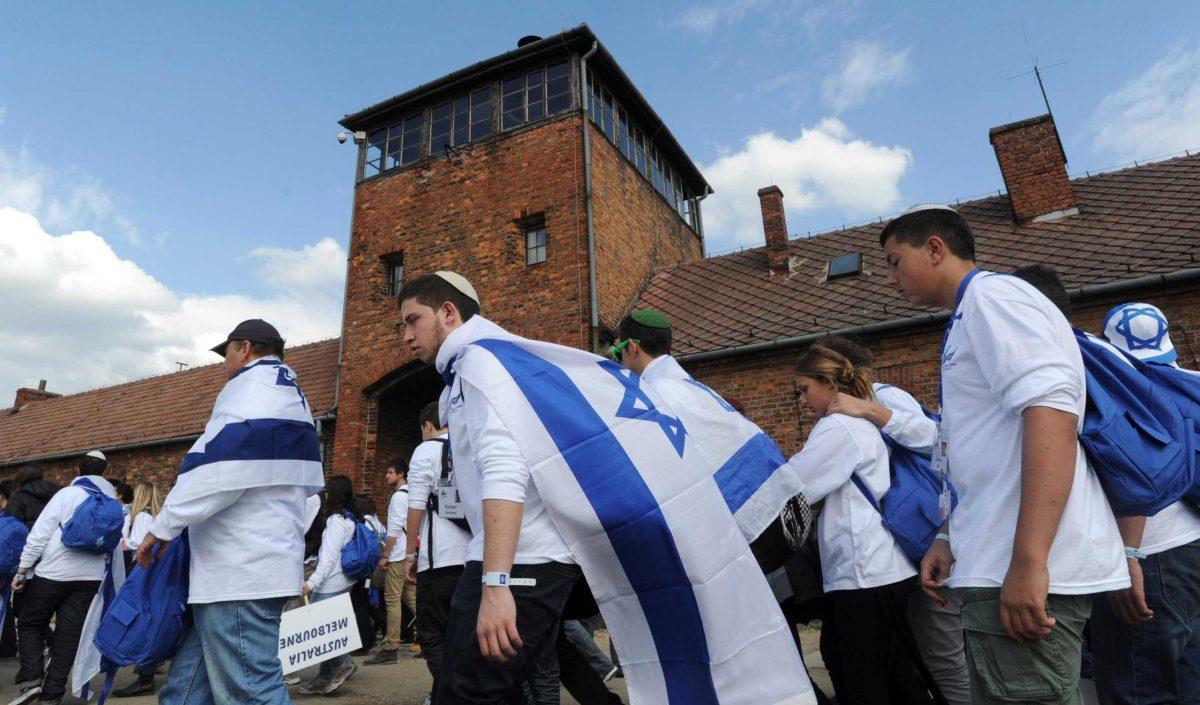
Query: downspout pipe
1107, 289
587, 197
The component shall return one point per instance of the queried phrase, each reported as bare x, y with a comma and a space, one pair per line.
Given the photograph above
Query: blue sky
197, 142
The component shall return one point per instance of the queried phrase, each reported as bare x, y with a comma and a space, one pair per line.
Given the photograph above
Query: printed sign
317, 632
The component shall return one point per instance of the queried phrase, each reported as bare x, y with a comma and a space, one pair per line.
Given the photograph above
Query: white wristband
1135, 553
942, 537
497, 579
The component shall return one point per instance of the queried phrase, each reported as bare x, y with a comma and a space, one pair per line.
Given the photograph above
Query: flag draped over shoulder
750, 471
690, 613
261, 433
88, 658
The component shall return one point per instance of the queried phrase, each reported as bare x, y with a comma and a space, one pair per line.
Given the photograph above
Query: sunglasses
616, 352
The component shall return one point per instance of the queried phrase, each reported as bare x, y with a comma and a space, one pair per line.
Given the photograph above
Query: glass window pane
514, 110
371, 168
410, 154
440, 112
481, 113
536, 109
481, 96
535, 93
558, 70
558, 103
512, 85
533, 78
462, 121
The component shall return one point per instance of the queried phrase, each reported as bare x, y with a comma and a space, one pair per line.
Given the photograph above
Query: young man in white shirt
1145, 639
1013, 397
936, 626
439, 566
398, 593
62, 587
486, 658
246, 537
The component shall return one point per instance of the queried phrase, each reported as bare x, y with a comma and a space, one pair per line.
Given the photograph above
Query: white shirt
375, 526
1010, 349
856, 550
137, 530
397, 523
45, 538
449, 541
488, 463
909, 426
1176, 524
246, 544
328, 576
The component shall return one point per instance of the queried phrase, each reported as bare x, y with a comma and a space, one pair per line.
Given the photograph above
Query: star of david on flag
1141, 330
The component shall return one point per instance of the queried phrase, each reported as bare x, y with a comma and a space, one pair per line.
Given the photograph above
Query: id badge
449, 505
941, 465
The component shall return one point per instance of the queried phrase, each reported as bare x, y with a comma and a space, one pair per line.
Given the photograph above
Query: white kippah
97, 454
928, 207
460, 282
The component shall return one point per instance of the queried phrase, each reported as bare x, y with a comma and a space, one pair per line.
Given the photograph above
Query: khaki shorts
1042, 671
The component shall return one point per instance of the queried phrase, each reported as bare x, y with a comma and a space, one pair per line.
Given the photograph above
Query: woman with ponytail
866, 575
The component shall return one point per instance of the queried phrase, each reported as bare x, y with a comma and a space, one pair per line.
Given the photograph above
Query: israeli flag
690, 613
750, 471
88, 659
261, 433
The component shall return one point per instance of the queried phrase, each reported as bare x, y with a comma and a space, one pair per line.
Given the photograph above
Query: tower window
534, 95
535, 244
394, 265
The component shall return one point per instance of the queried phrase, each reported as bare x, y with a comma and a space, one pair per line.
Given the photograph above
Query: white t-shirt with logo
1010, 349
449, 544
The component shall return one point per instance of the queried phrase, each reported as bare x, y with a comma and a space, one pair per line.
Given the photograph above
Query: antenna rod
1037, 72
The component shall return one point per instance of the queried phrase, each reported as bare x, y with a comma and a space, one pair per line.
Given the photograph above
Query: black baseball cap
255, 330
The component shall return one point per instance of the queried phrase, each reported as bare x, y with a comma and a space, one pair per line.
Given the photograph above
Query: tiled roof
1131, 223
152, 409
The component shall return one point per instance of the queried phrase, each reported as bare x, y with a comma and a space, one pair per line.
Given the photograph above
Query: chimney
26, 395
1034, 167
775, 228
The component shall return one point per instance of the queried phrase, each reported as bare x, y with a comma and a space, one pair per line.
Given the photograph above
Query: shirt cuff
511, 489
162, 529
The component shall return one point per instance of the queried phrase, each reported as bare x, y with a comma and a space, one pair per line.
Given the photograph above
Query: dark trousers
435, 590
466, 677
874, 643
68, 602
359, 600
578, 676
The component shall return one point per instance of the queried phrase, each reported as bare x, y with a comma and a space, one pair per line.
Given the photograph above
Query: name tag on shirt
449, 504
941, 465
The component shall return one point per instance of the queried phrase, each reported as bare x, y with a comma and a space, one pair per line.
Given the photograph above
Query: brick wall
763, 381
1034, 167
636, 230
464, 213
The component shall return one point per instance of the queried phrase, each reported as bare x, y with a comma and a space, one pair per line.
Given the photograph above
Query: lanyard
958, 297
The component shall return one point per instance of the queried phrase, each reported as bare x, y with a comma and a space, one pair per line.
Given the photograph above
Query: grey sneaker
26, 692
313, 687
382, 656
340, 676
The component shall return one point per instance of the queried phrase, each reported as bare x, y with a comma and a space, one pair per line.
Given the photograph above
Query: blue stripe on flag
258, 439
630, 515
747, 469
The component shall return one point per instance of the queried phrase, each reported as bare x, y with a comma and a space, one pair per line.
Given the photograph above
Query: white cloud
69, 202
866, 69
1156, 113
88, 318
825, 167
704, 19
778, 18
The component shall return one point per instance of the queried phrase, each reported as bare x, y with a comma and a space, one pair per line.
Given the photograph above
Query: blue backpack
97, 522
149, 614
1133, 435
1183, 390
910, 508
362, 552
12, 541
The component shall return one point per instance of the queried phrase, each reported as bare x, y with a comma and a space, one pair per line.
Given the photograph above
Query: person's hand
849, 405
305, 591
1129, 605
383, 563
18, 583
410, 573
147, 554
935, 568
497, 625
1023, 600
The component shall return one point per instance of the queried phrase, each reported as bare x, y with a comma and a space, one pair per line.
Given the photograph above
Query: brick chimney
775, 228
1034, 167
26, 395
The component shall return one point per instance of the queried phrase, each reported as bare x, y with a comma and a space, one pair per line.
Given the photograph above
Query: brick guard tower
543, 176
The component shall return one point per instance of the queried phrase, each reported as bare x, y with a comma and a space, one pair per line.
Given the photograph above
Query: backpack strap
862, 487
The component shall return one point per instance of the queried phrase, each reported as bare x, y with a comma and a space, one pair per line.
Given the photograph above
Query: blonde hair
830, 367
145, 498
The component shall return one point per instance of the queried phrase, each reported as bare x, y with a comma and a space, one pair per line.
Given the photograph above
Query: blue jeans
330, 666
230, 655
581, 638
1156, 661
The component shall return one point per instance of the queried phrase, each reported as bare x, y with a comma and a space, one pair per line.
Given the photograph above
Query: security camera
342, 137
359, 137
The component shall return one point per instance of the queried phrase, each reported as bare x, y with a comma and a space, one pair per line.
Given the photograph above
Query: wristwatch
498, 579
